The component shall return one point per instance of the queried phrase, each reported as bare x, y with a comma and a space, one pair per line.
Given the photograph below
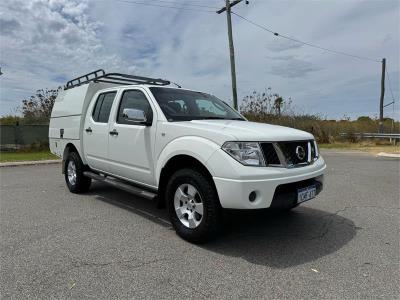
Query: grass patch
362, 146
26, 156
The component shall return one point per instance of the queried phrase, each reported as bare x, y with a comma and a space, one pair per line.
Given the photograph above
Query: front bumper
278, 184
285, 195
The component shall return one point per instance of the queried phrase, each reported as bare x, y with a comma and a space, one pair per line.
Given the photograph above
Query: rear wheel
193, 206
76, 181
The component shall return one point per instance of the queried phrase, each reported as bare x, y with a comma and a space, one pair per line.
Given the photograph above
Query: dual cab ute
187, 149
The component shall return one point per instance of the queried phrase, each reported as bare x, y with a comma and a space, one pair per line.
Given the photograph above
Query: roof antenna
176, 84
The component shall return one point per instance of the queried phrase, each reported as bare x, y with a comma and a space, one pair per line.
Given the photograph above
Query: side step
123, 186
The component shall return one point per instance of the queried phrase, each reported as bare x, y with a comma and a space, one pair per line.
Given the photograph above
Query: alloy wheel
71, 172
188, 205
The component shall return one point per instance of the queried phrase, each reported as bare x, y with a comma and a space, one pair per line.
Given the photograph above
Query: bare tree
266, 103
38, 107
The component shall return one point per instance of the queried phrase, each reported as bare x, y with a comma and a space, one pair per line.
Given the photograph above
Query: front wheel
76, 181
193, 206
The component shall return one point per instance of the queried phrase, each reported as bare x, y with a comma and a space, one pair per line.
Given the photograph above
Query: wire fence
393, 137
15, 137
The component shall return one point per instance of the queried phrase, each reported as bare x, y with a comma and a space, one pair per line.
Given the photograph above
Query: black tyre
193, 206
76, 181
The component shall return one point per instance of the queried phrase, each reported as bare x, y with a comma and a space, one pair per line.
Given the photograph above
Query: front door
96, 133
131, 146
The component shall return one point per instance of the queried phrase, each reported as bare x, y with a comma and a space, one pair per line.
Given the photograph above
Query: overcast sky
46, 42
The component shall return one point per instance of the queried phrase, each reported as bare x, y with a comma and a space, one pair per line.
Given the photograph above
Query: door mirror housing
135, 116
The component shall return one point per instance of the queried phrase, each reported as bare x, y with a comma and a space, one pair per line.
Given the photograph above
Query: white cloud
292, 67
283, 45
58, 39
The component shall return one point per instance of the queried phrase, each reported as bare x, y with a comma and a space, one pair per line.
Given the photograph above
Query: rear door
96, 135
131, 148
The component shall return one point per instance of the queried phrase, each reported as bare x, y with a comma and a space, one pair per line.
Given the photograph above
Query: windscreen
183, 105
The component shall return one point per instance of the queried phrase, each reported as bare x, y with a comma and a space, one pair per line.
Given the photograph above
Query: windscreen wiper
238, 119
220, 118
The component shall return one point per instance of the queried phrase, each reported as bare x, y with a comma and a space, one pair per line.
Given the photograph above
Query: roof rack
116, 78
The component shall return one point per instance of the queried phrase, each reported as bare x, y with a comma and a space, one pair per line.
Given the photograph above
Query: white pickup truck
188, 150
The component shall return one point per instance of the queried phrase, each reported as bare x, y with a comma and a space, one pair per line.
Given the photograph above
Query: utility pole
382, 95
227, 8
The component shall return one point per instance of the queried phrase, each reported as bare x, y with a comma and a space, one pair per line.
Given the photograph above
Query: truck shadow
277, 240
282, 240
140, 206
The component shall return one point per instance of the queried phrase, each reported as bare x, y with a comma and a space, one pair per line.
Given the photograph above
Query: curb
393, 155
344, 151
30, 163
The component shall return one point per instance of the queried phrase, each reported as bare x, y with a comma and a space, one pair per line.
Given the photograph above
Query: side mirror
134, 116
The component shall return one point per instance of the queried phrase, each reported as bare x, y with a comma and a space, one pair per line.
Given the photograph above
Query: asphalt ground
109, 244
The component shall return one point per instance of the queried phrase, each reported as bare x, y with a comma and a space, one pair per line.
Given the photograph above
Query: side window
95, 113
136, 100
102, 108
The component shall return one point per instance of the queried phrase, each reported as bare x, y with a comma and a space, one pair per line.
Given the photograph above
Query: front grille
289, 154
270, 154
295, 153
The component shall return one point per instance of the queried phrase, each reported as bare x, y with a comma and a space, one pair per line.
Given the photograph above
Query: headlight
247, 153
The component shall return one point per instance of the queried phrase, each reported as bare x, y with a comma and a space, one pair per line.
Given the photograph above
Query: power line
249, 21
389, 104
164, 6
304, 43
390, 86
187, 3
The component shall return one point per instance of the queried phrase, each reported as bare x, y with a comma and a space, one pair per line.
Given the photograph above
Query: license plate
306, 194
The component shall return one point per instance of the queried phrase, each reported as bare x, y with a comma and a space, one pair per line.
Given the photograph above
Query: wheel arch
69, 147
175, 163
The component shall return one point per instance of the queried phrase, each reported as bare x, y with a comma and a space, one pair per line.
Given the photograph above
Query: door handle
88, 129
114, 132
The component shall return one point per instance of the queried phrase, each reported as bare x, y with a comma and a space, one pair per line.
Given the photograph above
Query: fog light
252, 196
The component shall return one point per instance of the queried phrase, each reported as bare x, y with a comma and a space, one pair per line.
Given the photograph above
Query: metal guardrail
372, 135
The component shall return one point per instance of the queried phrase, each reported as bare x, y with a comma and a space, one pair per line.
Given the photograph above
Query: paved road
108, 244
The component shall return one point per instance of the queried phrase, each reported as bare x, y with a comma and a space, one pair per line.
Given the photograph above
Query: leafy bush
10, 120
268, 107
34, 111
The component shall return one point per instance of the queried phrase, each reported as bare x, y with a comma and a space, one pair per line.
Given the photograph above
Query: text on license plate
307, 193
